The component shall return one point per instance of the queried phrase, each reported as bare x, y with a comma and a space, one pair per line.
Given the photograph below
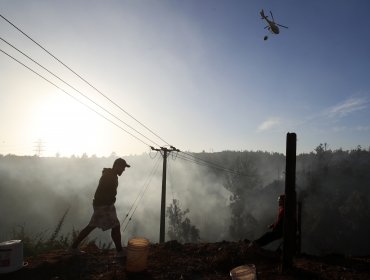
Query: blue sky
197, 73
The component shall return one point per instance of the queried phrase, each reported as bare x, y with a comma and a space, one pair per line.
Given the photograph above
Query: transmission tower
38, 147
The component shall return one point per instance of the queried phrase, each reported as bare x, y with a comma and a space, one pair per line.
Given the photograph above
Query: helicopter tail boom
262, 13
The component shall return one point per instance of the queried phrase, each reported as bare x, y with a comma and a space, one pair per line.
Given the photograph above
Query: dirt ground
172, 260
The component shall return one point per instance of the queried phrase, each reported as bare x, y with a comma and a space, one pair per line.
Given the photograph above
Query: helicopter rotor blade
272, 16
282, 25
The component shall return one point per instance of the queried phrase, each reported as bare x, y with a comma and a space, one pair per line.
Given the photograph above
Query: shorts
104, 217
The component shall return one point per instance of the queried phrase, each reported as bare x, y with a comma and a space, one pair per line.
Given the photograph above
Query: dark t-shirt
107, 189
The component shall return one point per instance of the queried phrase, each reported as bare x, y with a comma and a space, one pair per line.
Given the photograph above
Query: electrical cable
70, 95
212, 164
169, 166
197, 160
193, 158
183, 155
85, 96
84, 80
141, 195
148, 179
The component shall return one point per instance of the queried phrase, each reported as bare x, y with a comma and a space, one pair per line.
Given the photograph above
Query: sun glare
65, 126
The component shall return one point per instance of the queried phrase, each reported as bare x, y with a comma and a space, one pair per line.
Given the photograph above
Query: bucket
244, 272
137, 254
11, 256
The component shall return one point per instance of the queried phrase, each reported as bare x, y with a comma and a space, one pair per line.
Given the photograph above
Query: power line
146, 182
188, 157
165, 150
79, 76
195, 160
85, 96
141, 195
192, 158
170, 179
70, 95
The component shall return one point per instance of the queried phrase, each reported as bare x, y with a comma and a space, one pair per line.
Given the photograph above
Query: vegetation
333, 186
180, 227
40, 243
242, 188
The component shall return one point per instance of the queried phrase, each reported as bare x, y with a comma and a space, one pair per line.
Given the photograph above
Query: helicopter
272, 26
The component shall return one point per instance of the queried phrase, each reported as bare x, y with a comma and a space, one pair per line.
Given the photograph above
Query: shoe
75, 251
121, 254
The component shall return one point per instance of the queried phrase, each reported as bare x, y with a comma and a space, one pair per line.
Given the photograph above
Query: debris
172, 260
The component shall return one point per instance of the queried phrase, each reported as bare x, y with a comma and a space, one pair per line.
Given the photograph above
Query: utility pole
290, 213
163, 199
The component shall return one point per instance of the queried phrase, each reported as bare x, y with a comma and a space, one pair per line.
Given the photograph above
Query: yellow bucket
244, 272
137, 254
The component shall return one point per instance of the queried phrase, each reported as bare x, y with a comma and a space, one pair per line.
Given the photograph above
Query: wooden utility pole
162, 229
163, 200
290, 221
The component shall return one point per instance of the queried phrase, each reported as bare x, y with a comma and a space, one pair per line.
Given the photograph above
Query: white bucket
244, 272
11, 256
137, 254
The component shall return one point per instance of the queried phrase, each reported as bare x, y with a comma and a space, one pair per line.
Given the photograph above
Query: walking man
105, 216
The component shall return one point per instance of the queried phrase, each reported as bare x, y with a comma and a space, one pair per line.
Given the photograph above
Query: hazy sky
197, 73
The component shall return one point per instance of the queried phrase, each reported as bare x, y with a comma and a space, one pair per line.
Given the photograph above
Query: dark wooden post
290, 221
299, 227
163, 200
162, 226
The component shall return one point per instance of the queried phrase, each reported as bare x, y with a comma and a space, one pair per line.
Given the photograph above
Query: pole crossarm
172, 149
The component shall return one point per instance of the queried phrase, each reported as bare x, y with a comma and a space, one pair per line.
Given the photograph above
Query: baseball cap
121, 162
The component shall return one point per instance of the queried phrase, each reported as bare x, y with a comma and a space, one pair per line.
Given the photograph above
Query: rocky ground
172, 260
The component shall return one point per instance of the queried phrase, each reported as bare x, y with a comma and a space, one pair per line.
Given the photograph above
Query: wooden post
163, 200
290, 221
162, 226
299, 227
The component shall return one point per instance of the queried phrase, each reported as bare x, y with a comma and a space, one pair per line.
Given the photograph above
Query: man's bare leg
83, 234
116, 236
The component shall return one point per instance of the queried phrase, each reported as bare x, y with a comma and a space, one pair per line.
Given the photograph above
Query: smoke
35, 192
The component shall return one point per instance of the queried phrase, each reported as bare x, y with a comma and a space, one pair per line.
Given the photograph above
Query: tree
180, 227
243, 189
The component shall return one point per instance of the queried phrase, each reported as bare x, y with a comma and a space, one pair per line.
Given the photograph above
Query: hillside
173, 260
331, 185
